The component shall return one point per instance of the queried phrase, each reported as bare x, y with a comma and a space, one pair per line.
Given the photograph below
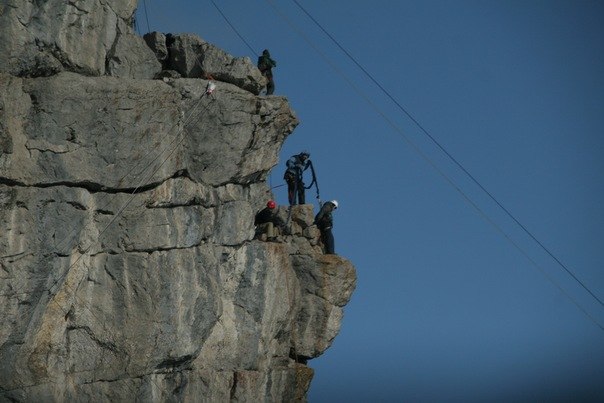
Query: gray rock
66, 127
128, 269
41, 39
168, 74
193, 57
130, 57
132, 127
328, 283
157, 43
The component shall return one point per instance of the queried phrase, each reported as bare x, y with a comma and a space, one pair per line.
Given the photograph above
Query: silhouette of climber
293, 176
265, 65
324, 222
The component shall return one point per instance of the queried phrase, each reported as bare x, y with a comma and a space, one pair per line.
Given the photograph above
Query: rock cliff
128, 265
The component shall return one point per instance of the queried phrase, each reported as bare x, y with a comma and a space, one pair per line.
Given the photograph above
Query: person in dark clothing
265, 65
293, 176
268, 223
324, 222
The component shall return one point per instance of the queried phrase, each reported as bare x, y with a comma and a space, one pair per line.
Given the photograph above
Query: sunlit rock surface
128, 268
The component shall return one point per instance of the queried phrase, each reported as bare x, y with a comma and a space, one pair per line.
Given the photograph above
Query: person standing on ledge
324, 222
293, 176
265, 65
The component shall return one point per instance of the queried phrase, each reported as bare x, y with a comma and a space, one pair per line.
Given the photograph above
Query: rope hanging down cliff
314, 181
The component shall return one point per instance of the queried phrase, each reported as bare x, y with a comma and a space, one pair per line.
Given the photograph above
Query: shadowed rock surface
128, 268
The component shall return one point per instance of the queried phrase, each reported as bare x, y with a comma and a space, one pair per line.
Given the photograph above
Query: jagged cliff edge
127, 266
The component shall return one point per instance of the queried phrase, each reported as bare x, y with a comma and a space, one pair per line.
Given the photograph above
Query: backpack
263, 63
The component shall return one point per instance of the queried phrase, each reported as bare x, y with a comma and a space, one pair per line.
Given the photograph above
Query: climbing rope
290, 208
294, 195
314, 181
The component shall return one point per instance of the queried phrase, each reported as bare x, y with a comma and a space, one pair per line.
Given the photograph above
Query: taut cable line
449, 155
423, 155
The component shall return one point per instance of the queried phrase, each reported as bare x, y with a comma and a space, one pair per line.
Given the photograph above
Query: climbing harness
314, 182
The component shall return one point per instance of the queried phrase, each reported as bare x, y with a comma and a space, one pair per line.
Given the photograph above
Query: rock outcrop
128, 264
91, 37
190, 56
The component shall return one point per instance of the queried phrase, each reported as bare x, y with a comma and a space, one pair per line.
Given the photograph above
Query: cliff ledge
128, 268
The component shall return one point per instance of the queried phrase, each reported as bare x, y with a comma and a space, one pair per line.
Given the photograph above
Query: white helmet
334, 202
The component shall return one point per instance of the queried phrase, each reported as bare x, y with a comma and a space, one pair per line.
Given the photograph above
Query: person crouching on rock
268, 223
324, 222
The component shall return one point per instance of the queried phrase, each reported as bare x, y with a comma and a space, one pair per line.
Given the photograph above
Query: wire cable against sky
453, 159
270, 176
233, 28
146, 15
432, 164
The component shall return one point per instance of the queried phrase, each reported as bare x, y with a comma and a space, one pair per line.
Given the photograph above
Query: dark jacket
268, 215
295, 165
324, 219
265, 63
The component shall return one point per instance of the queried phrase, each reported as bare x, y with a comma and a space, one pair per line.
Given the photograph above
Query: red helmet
271, 204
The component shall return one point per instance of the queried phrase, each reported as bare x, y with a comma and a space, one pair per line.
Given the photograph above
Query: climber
293, 176
265, 65
324, 222
268, 223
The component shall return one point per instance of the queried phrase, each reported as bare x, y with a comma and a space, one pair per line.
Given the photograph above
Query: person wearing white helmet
324, 222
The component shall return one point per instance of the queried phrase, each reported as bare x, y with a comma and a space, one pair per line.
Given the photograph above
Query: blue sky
453, 302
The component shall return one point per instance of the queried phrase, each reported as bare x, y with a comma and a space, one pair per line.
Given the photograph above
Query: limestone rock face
41, 38
129, 270
191, 56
